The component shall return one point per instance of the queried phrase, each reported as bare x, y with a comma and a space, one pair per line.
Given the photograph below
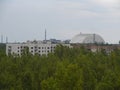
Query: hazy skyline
22, 20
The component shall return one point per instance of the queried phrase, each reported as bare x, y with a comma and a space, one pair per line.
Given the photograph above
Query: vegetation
2, 47
66, 69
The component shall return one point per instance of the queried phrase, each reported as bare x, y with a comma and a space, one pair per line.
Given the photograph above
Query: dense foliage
2, 47
66, 69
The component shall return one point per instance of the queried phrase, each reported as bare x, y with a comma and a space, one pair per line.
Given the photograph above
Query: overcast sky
22, 20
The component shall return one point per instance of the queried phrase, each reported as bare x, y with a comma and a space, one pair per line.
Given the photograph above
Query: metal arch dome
87, 38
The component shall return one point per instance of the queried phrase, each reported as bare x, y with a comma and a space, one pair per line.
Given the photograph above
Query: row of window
21, 54
42, 47
41, 51
23, 47
32, 51
36, 51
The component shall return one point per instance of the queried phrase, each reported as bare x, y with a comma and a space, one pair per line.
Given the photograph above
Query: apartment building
34, 47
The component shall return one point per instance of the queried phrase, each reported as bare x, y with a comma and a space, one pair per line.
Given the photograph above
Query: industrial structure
35, 47
87, 39
3, 39
92, 42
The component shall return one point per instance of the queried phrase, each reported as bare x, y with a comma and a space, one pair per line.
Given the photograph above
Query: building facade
35, 47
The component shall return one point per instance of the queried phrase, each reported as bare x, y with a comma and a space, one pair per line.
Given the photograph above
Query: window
35, 50
9, 51
31, 47
47, 47
39, 47
53, 47
18, 47
9, 46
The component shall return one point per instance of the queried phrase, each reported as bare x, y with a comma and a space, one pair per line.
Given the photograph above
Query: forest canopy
66, 69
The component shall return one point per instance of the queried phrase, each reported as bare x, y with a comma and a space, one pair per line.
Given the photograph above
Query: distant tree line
66, 69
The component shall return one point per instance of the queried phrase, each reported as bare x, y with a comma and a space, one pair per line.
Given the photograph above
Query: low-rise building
98, 47
35, 47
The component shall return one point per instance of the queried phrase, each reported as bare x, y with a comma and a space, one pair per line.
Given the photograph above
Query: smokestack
6, 40
45, 34
1, 38
94, 38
